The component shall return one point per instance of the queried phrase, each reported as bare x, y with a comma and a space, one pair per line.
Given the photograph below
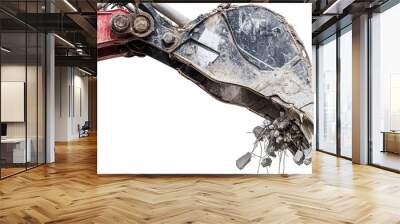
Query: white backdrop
151, 120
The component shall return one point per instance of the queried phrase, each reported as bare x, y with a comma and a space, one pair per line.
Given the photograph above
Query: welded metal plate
260, 52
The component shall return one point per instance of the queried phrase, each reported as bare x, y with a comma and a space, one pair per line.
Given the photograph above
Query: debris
266, 162
243, 160
278, 137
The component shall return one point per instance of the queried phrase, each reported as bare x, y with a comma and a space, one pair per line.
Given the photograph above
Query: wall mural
245, 55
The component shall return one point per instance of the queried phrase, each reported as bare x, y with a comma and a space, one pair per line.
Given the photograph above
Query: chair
84, 130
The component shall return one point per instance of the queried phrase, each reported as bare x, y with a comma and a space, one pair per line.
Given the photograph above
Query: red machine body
107, 42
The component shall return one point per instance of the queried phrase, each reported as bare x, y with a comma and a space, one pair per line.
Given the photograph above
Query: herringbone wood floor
70, 191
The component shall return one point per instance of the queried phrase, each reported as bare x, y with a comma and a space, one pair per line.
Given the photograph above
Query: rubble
280, 136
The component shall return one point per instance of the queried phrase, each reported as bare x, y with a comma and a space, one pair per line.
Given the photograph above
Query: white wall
33, 127
69, 82
17, 73
82, 83
14, 73
61, 103
12, 101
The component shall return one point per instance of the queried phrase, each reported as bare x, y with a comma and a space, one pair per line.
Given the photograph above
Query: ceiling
75, 22
331, 15
72, 20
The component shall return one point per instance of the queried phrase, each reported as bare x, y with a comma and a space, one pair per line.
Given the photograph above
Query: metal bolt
141, 24
120, 23
191, 50
168, 38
